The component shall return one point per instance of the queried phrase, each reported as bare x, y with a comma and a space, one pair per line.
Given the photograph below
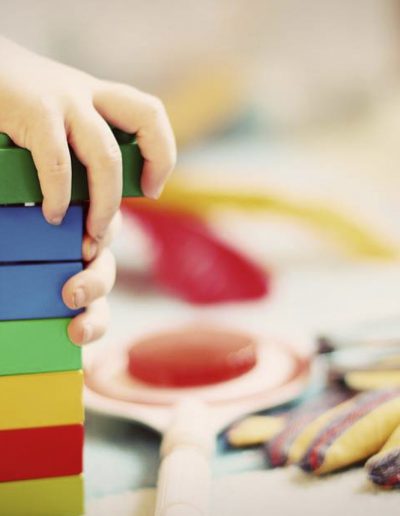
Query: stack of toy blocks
41, 380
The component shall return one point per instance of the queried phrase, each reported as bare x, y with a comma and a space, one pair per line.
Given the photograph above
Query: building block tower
41, 379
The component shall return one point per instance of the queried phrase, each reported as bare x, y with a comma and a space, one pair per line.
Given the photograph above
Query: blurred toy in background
321, 440
189, 384
349, 433
191, 262
355, 238
278, 448
364, 356
356, 418
384, 467
366, 367
208, 101
279, 431
192, 357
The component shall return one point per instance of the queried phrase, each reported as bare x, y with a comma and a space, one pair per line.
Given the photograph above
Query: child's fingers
92, 283
136, 112
91, 324
92, 248
96, 147
48, 144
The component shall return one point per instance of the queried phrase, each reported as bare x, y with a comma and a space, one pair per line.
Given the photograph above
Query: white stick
184, 476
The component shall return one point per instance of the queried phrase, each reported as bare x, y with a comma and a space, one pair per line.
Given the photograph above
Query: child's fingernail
155, 192
56, 221
87, 333
79, 298
91, 250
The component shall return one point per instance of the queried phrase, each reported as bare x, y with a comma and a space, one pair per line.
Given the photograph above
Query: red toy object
40, 452
194, 264
192, 357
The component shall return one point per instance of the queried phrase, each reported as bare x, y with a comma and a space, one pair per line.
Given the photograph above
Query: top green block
19, 182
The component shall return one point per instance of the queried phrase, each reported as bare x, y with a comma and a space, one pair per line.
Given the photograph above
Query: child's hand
44, 106
89, 288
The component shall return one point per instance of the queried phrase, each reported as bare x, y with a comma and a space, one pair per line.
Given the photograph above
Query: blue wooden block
25, 236
34, 291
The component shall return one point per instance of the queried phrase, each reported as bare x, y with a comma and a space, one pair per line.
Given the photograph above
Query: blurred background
287, 117
295, 99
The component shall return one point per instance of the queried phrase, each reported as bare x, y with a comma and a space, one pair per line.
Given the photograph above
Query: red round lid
192, 357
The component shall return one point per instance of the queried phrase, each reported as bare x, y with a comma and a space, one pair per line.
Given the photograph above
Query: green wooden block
37, 346
20, 184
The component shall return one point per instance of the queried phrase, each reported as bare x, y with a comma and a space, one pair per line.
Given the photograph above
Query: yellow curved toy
354, 237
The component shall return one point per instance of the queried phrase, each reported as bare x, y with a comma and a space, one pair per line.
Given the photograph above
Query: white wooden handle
184, 477
183, 483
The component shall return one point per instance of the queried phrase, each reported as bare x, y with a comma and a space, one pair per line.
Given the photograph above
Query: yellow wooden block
62, 496
48, 399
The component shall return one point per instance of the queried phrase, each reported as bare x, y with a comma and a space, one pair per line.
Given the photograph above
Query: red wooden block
40, 452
